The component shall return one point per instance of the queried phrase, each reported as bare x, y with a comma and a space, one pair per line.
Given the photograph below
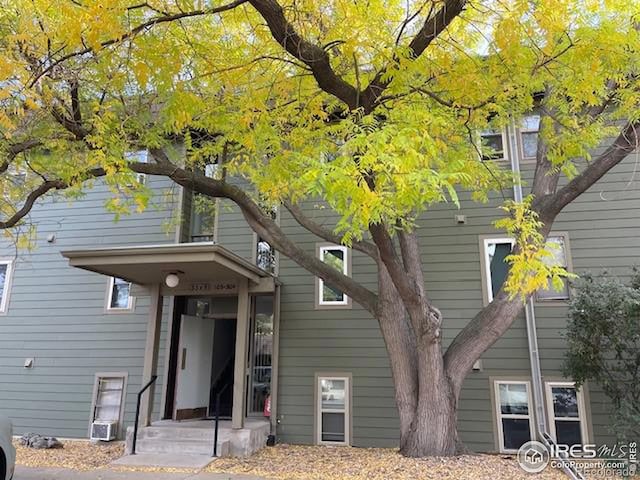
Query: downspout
532, 338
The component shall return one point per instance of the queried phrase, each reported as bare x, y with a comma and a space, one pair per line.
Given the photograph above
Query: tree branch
627, 141
314, 56
134, 31
320, 231
433, 26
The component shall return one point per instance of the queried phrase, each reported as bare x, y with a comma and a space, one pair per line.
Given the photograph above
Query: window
6, 270
337, 257
108, 398
495, 267
566, 413
493, 145
119, 295
265, 256
557, 245
332, 419
515, 422
141, 156
529, 128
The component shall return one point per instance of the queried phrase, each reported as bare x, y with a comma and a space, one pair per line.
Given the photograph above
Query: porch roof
150, 264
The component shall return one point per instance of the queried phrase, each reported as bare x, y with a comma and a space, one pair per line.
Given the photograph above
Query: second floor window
493, 145
337, 257
496, 267
528, 131
265, 256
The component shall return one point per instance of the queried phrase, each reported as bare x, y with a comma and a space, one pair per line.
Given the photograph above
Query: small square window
515, 422
6, 272
493, 145
119, 295
337, 257
332, 417
557, 246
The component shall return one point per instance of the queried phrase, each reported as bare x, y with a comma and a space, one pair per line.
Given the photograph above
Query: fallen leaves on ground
294, 462
75, 455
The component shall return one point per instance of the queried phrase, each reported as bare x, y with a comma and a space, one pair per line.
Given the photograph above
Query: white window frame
487, 261
522, 130
567, 266
322, 249
6, 289
500, 415
130, 305
346, 410
551, 417
505, 144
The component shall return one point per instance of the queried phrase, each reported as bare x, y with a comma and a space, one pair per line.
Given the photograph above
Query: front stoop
169, 441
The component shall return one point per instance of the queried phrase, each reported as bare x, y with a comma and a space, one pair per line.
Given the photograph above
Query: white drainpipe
532, 337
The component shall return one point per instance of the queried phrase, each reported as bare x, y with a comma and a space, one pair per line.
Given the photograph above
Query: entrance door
222, 366
195, 353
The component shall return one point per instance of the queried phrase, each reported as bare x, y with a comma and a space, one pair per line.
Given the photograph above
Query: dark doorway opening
222, 366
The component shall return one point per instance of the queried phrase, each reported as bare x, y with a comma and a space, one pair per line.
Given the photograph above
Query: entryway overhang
196, 264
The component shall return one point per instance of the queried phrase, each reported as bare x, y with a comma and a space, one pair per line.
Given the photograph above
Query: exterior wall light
172, 280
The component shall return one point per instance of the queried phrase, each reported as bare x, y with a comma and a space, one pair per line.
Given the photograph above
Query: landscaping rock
33, 440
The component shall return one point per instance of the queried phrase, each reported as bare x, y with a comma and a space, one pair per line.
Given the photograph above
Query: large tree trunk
433, 431
427, 405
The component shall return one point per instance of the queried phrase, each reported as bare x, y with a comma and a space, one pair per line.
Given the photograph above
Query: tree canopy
373, 106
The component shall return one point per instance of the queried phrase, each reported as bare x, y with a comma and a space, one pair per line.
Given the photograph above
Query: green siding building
98, 307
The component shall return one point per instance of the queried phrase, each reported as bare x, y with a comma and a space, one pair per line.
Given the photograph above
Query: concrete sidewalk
27, 473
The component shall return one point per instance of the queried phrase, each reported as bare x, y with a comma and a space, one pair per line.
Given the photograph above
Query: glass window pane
565, 402
530, 122
333, 427
492, 146
109, 399
262, 350
333, 394
556, 247
514, 398
120, 293
330, 294
552, 294
568, 432
498, 267
335, 258
516, 432
3, 278
529, 144
265, 256
107, 414
111, 383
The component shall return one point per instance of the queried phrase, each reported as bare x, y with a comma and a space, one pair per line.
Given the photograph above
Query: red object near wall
267, 407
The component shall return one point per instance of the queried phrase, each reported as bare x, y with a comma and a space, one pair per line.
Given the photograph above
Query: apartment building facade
190, 294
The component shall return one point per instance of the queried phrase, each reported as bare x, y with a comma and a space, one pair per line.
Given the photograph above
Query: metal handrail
217, 419
135, 425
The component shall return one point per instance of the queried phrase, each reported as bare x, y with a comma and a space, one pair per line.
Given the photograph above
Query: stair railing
217, 418
135, 425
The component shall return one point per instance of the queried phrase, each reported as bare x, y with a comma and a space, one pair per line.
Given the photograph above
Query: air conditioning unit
105, 431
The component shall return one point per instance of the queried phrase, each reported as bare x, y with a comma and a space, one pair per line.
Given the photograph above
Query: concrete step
183, 447
203, 434
164, 460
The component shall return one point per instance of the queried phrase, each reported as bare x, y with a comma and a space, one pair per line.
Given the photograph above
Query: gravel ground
76, 455
294, 462
288, 462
